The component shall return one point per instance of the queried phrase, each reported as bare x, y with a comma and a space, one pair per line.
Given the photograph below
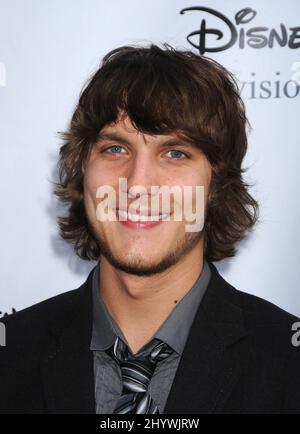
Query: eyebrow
174, 141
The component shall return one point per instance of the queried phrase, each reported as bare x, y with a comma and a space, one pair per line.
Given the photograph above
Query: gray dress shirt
174, 331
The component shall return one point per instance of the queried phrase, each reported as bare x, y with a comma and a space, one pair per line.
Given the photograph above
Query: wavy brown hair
163, 90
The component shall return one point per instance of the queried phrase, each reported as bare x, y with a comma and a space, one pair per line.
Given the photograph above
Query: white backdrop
48, 49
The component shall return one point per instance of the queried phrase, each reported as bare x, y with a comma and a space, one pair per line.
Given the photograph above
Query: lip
139, 224
141, 212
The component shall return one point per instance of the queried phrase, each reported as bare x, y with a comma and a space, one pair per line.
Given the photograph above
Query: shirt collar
174, 330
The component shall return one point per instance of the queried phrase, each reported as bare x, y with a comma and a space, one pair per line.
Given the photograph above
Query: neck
140, 304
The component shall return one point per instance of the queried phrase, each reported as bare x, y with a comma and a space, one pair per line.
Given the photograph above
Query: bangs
159, 93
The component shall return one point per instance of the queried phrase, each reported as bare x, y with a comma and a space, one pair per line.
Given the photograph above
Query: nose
142, 174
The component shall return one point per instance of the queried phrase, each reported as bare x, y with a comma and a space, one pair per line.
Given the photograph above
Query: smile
141, 218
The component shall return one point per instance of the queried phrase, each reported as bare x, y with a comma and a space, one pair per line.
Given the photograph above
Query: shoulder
271, 340
30, 327
274, 344
39, 311
271, 329
26, 328
260, 313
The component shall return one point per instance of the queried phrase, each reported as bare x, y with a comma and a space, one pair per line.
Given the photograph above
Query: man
154, 328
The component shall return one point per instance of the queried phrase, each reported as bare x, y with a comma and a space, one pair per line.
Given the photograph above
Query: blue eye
177, 154
115, 147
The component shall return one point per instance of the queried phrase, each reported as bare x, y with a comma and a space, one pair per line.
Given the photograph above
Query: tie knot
154, 351
137, 370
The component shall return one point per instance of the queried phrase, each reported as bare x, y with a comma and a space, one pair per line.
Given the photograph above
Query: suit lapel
212, 360
67, 367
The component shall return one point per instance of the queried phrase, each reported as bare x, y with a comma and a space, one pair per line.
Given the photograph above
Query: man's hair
163, 91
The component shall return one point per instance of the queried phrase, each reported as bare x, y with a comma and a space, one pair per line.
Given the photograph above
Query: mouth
123, 215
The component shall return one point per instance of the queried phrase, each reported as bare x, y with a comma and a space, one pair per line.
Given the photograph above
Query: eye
176, 154
115, 149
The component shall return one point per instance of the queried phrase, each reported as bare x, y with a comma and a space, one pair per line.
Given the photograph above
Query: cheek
200, 178
96, 177
193, 180
90, 186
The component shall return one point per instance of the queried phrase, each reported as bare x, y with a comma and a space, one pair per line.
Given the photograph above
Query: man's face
145, 161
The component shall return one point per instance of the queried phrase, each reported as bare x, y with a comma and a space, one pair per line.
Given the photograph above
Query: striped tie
136, 375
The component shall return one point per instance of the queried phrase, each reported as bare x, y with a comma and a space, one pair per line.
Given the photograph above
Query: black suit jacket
238, 357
